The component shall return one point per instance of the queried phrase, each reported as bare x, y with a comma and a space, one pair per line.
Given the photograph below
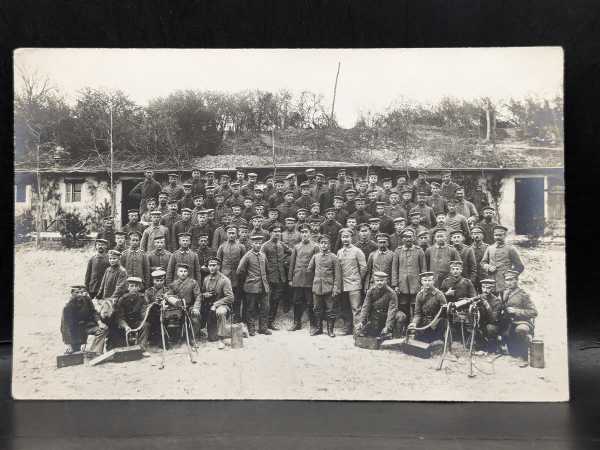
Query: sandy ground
285, 365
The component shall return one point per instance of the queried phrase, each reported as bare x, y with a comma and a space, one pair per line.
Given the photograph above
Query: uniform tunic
395, 211
287, 210
174, 191
341, 215
366, 247
478, 252
130, 310
378, 261
252, 269
395, 241
448, 189
469, 268
137, 226
291, 238
146, 189
182, 256
79, 318
467, 209
462, 287
276, 254
169, 220
408, 263
361, 216
222, 287
386, 224
147, 244
230, 254
109, 235
159, 258
331, 229
187, 289
525, 308
458, 222
427, 304
427, 215
380, 304
438, 261
298, 273
488, 230
438, 203
135, 263
354, 267
504, 257
304, 201
96, 267
327, 274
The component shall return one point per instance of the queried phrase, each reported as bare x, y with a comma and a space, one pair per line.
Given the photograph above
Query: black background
572, 24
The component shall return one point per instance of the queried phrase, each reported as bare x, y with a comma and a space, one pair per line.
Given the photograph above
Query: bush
23, 226
72, 229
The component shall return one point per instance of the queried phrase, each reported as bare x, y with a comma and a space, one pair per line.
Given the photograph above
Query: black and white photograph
298, 224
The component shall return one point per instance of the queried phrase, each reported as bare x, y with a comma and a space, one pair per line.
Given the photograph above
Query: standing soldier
135, 261
387, 190
360, 214
408, 263
221, 209
184, 255
291, 185
300, 280
288, 208
338, 207
290, 235
438, 203
380, 316
305, 199
220, 233
327, 285
426, 212
467, 256
465, 207
448, 187
204, 252
500, 257
277, 197
187, 200
350, 203
421, 184
149, 188
438, 257
224, 188
396, 236
487, 224
185, 225
364, 242
520, 311
198, 206
248, 189
202, 227
174, 191
394, 209
96, 267
169, 220
120, 241
326, 197
252, 270
428, 303
479, 198
342, 183
456, 221
236, 197
406, 200
230, 254
158, 256
330, 227
423, 240
107, 231
386, 224
154, 230
197, 182
114, 280
354, 267
479, 247
315, 213
379, 260
150, 206
134, 223
415, 222
319, 187
163, 206
276, 256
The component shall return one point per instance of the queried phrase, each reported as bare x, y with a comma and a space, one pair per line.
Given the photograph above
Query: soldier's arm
367, 273
392, 311
171, 268
365, 310
362, 263
88, 274
292, 265
516, 261
137, 190
472, 265
485, 260
337, 269
121, 288
527, 310
227, 298
241, 269
395, 269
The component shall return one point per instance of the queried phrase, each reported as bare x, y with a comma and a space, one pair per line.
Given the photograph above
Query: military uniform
96, 267
427, 304
458, 222
136, 264
252, 269
518, 326
469, 267
395, 211
380, 313
331, 228
147, 243
462, 287
361, 216
146, 189
79, 320
448, 189
135, 226
366, 247
407, 264
159, 258
230, 254
438, 203
327, 285
354, 268
216, 321
174, 191
169, 220
504, 257
427, 214
276, 256
301, 280
378, 261
130, 311
488, 230
114, 282
438, 261
181, 256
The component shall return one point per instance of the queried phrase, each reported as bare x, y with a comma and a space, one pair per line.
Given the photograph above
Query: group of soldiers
384, 257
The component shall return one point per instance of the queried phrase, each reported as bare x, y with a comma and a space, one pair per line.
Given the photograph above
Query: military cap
184, 234
380, 203
488, 281
380, 274
172, 174
406, 191
235, 183
459, 188
359, 199
338, 197
147, 168
500, 227
288, 192
453, 232
382, 236
231, 227
289, 176
131, 211
511, 274
258, 188
422, 233
456, 262
275, 227
323, 237
252, 174
257, 237
415, 214
187, 185
156, 212
210, 188
210, 210
332, 179
202, 211
408, 231
78, 287
137, 280
172, 202
102, 241
186, 209
302, 210
183, 265
309, 171
137, 233
345, 230
452, 200
441, 229
120, 233
159, 236
151, 199
304, 227
225, 176
290, 219
422, 193
341, 171
219, 194
203, 235
109, 218
256, 217
158, 273
315, 204
426, 274
242, 226
399, 219
210, 172
273, 209
198, 196
113, 252
487, 207
386, 180
213, 259
350, 191
330, 210
363, 225
374, 220
421, 171
319, 174
435, 184
304, 184
477, 229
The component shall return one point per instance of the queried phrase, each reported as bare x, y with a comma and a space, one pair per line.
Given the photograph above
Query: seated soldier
184, 291
155, 295
130, 313
218, 297
80, 320
428, 303
491, 316
519, 312
456, 287
379, 315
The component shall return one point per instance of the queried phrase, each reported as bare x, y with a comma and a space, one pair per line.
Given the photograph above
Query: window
20, 193
73, 191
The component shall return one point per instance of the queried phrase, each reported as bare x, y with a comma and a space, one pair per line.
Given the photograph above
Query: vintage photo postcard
327, 224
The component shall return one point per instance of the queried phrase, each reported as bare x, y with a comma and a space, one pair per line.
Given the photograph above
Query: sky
369, 80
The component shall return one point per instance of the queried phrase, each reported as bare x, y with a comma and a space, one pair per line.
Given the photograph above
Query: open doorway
529, 205
128, 202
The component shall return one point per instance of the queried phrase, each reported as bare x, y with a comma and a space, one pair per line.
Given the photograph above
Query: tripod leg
475, 323
187, 338
447, 333
162, 335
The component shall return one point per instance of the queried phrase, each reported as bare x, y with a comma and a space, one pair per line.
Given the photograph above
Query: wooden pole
112, 194
274, 163
334, 93
40, 200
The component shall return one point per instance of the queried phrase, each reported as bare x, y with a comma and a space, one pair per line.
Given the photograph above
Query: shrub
23, 226
72, 229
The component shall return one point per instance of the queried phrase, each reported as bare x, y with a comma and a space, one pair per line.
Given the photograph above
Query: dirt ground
285, 365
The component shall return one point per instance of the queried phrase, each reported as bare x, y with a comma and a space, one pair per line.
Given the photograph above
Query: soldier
134, 223
467, 256
276, 256
500, 257
465, 207
448, 187
240, 177
423, 240
202, 227
224, 189
221, 209
379, 260
130, 313
198, 206
158, 256
277, 197
386, 225
248, 189
259, 196
174, 191
210, 180
487, 224
360, 214
310, 176
197, 182
436, 201
154, 230
305, 199
338, 207
364, 242
252, 270
260, 210
402, 185
149, 188
440, 223
244, 239
290, 235
217, 295
491, 315
187, 292
96, 267
79, 320
350, 203
163, 206
415, 222
272, 219
288, 208
396, 236
371, 202
479, 247
408, 262
425, 211
379, 315
319, 187
184, 255
438, 257
331, 227
257, 229
479, 198
342, 183
236, 215
300, 280
236, 197
387, 190
457, 222
520, 311
185, 225
315, 234
394, 209
326, 197
230, 254
353, 265
169, 220
406, 200
114, 280
187, 200
120, 241
135, 261
150, 206
315, 213
372, 184
455, 286
204, 252
220, 233
107, 231
327, 285
209, 197
428, 304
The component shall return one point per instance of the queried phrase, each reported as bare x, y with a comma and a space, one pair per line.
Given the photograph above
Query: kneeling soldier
217, 300
519, 314
155, 296
428, 303
187, 292
130, 311
380, 315
79, 320
491, 317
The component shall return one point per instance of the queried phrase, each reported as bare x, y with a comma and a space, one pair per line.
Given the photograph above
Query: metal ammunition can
536, 354
237, 336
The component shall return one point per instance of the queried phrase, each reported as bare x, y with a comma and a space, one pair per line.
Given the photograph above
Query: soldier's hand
412, 326
450, 292
102, 325
511, 310
127, 328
